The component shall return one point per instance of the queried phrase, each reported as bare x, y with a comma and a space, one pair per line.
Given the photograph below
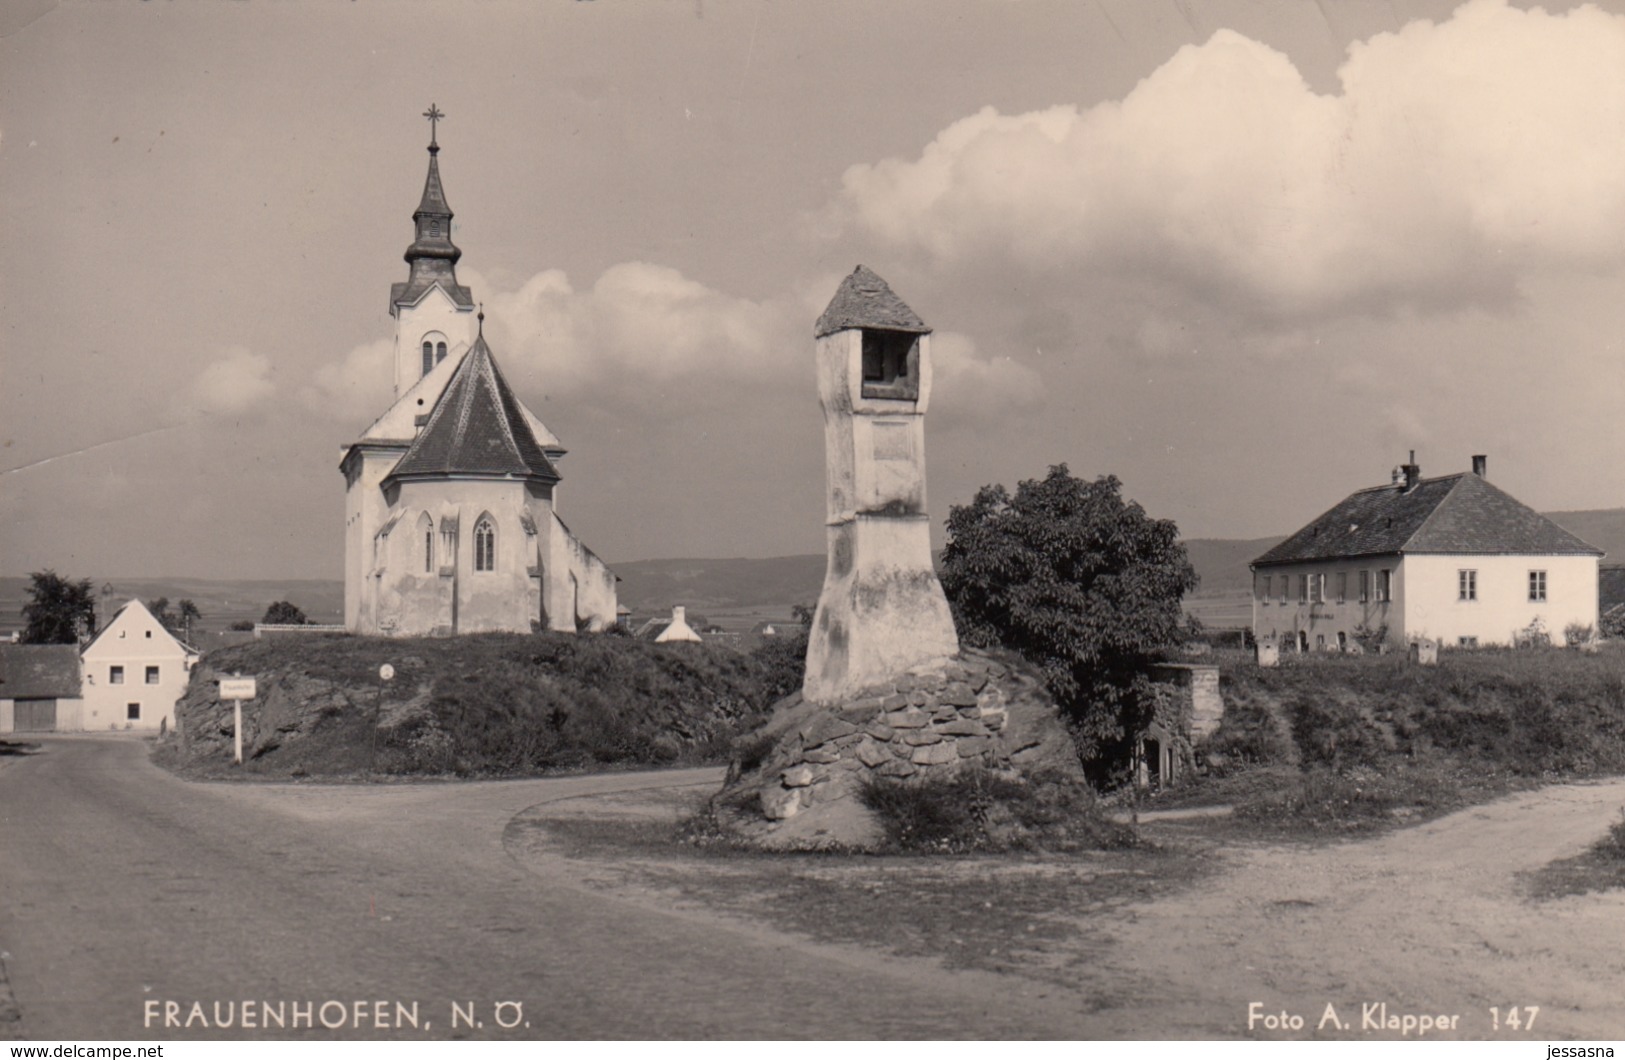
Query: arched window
485, 544
425, 535
434, 350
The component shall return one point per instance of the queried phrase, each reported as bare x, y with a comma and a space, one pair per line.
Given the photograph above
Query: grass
488, 705
1330, 745
1601, 868
1010, 913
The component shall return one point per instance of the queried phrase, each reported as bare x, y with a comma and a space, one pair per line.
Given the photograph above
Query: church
450, 522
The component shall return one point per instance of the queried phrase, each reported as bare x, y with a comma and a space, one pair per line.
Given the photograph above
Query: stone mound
796, 781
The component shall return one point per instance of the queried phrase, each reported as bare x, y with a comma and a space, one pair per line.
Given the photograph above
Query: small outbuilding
40, 688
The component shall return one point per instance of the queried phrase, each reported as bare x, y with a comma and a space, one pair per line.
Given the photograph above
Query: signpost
237, 688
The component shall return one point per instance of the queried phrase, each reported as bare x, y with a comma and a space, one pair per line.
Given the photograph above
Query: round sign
387, 672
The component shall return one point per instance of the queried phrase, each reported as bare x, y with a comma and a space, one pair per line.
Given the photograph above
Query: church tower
882, 610
450, 521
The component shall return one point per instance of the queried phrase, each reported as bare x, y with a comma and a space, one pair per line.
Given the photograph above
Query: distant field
1232, 610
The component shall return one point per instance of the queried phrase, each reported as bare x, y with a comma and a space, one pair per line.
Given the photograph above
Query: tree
58, 610
282, 613
180, 621
1081, 584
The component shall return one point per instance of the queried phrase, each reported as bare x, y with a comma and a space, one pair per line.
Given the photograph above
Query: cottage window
1265, 593
1385, 586
1365, 586
1303, 588
152, 675
1537, 586
1342, 586
115, 675
1467, 585
485, 545
132, 711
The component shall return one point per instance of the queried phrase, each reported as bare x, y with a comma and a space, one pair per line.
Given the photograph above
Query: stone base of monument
811, 761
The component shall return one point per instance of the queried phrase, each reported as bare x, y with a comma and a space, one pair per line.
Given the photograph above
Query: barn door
35, 715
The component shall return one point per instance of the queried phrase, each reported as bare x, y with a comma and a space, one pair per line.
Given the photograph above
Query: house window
1385, 586
115, 675
1317, 588
1320, 642
1466, 642
1467, 585
1537, 587
485, 545
1286, 583
132, 711
152, 675
1365, 586
1303, 588
1342, 586
1265, 593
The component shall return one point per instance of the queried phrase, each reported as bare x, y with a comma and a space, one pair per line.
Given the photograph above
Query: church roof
477, 427
864, 300
1457, 514
432, 255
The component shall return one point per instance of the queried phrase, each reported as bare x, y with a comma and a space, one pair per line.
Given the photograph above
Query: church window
485, 545
426, 535
428, 357
439, 352
434, 350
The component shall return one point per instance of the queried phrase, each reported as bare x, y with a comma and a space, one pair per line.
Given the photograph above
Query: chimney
1481, 466
1413, 473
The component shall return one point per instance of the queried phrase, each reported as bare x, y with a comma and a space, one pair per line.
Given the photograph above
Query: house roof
132, 607
39, 671
477, 427
1458, 514
864, 300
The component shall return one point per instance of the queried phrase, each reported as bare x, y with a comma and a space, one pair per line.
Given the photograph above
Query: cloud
644, 337
1456, 158
966, 386
235, 383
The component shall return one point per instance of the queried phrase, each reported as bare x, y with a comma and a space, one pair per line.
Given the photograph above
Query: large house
1451, 559
450, 524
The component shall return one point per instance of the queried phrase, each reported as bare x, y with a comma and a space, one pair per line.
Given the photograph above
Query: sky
1245, 255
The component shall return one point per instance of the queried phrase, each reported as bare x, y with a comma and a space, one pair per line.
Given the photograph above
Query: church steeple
432, 255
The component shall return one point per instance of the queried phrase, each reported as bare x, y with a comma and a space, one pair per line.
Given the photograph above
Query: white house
1453, 559
134, 672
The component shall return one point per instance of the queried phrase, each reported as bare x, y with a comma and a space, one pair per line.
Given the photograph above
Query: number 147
1512, 1019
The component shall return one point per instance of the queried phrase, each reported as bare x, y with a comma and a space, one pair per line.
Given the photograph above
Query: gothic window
426, 536
485, 544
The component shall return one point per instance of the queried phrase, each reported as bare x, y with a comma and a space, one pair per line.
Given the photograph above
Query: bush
975, 810
1335, 732
1250, 734
1578, 633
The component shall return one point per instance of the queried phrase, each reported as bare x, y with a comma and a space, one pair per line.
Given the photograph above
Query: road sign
236, 688
386, 672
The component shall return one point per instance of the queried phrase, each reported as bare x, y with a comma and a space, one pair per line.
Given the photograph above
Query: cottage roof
864, 300
1611, 587
477, 427
1452, 514
39, 671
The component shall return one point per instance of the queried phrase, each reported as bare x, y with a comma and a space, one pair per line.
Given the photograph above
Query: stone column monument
882, 611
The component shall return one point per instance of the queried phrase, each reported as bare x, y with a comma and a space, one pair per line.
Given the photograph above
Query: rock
908, 719
879, 730
895, 701
922, 737
958, 694
962, 727
938, 754
821, 756
971, 746
898, 769
872, 754
824, 728
798, 776
779, 803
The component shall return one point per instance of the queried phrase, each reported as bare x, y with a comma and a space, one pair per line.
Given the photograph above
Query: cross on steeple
434, 114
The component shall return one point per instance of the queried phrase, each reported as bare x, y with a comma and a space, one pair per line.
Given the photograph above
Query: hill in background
749, 587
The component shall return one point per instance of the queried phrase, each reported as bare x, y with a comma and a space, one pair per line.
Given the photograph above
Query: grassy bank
488, 705
1340, 743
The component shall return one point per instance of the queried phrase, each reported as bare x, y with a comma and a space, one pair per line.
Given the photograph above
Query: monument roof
864, 300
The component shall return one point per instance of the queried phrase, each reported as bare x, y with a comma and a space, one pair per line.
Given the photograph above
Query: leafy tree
282, 613
180, 621
1082, 584
58, 610
242, 625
